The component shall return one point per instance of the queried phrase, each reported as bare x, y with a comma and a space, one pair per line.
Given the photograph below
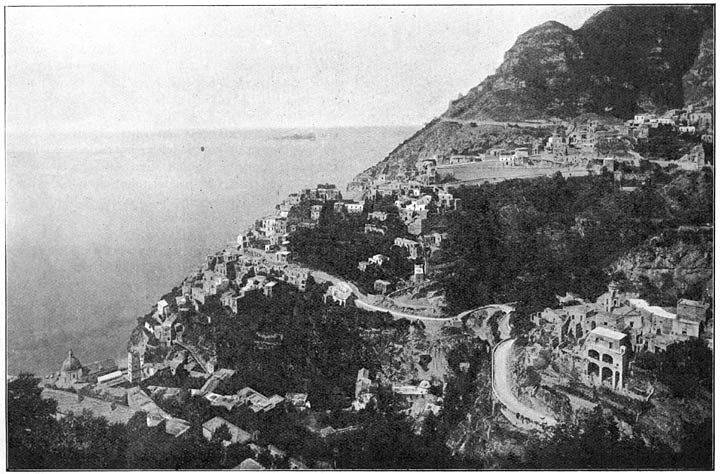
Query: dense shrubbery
321, 351
685, 367
665, 143
36, 440
595, 443
528, 240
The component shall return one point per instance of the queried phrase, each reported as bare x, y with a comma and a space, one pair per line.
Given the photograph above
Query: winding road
520, 415
514, 410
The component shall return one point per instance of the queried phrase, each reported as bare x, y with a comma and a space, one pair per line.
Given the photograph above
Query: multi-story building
605, 353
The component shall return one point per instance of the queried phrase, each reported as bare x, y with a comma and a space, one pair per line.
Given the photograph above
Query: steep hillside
665, 274
622, 61
635, 57
536, 80
442, 137
699, 81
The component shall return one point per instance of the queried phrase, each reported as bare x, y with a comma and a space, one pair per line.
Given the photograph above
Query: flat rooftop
607, 333
68, 403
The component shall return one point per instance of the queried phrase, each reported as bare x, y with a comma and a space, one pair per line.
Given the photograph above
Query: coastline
41, 315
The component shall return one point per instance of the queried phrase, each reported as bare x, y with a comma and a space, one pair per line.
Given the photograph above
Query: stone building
605, 353
315, 211
692, 310
71, 370
339, 293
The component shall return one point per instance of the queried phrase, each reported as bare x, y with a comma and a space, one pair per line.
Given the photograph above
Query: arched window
607, 375
592, 353
607, 359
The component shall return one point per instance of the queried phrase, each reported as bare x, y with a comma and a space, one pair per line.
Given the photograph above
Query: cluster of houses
111, 397
418, 397
248, 397
256, 264
590, 134
683, 120
235, 272
594, 133
77, 389
493, 157
416, 203
603, 333
240, 436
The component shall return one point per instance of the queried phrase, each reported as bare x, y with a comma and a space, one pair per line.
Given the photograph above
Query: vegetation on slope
529, 240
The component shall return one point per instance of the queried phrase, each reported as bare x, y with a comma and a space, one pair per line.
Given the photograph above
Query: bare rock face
535, 80
669, 269
622, 60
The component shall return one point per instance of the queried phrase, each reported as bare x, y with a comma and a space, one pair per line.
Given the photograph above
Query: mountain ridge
623, 60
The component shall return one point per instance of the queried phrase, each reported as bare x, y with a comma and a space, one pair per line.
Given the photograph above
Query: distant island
298, 136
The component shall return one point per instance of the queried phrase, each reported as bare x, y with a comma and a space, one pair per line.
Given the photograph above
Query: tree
37, 441
594, 443
31, 426
222, 433
88, 442
686, 367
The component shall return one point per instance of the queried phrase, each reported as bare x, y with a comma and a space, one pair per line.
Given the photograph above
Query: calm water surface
99, 226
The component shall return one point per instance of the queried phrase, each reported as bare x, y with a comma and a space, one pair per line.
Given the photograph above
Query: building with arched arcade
606, 357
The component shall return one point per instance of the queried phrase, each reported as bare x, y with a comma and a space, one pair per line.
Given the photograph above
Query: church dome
71, 364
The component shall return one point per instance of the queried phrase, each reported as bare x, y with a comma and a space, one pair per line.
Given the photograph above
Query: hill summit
624, 60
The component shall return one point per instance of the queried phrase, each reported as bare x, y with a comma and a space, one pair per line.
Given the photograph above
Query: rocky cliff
636, 56
622, 61
537, 79
668, 273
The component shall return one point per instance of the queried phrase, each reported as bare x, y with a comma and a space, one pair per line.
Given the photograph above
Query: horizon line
9, 131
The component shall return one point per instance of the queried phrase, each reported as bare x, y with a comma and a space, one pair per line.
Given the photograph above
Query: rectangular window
610, 345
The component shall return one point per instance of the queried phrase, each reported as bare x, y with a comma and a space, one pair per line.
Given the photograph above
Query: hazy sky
148, 68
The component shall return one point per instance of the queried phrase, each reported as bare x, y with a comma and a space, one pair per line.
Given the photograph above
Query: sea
100, 225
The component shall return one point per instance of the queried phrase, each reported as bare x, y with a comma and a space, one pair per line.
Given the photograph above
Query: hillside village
573, 148
592, 342
539, 290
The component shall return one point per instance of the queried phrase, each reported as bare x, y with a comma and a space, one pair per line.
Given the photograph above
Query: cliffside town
624, 62
513, 279
572, 358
